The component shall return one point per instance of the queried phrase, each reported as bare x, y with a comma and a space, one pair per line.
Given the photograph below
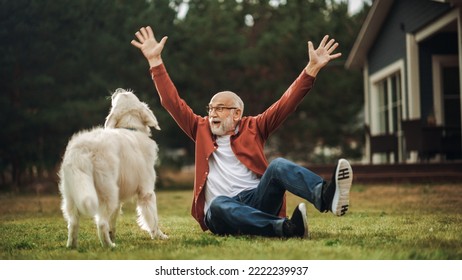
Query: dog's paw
71, 244
163, 236
110, 245
158, 234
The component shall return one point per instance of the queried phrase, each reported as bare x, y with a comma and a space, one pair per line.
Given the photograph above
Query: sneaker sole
302, 208
343, 180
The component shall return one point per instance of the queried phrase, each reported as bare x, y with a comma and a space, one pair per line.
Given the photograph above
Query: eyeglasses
218, 109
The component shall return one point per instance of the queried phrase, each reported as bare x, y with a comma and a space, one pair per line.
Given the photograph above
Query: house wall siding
405, 16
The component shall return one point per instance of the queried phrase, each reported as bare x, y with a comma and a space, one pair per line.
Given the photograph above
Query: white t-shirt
227, 175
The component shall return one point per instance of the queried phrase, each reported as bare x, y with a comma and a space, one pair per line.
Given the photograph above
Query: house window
447, 108
387, 108
451, 96
389, 104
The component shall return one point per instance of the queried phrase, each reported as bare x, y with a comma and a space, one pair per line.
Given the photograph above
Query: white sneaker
343, 178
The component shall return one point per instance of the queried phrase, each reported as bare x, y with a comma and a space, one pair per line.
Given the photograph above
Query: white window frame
397, 67
374, 80
438, 62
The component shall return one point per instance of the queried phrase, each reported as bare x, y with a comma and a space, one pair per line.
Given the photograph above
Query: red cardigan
247, 144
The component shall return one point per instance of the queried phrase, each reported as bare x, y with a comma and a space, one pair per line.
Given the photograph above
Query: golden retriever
103, 167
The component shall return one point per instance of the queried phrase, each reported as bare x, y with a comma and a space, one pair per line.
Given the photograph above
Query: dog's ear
148, 117
110, 120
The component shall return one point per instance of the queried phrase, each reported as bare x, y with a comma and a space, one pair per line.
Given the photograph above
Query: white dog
103, 167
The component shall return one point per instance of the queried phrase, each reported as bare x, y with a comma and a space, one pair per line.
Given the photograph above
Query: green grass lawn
384, 222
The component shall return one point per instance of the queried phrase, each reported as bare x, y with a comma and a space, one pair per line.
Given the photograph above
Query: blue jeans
255, 212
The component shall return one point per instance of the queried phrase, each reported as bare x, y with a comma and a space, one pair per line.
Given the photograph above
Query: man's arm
149, 46
274, 116
169, 98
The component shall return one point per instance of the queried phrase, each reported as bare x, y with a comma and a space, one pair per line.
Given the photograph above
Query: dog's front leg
73, 232
112, 225
103, 234
147, 215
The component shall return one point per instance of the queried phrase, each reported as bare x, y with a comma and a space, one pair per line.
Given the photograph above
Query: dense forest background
61, 59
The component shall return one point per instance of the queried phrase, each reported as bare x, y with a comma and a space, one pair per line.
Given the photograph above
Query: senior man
236, 191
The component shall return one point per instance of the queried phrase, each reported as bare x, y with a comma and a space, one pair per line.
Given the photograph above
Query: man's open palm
148, 44
323, 54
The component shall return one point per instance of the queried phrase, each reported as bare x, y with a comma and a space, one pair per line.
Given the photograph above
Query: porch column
413, 82
459, 35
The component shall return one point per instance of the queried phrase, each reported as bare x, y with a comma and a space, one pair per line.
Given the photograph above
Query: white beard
223, 128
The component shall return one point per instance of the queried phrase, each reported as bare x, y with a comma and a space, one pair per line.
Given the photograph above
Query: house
409, 52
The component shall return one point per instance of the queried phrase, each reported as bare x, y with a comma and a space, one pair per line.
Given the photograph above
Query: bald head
229, 99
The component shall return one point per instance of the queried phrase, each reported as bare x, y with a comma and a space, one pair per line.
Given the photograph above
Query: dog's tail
77, 185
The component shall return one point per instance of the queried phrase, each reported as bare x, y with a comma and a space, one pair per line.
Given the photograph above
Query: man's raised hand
321, 56
149, 46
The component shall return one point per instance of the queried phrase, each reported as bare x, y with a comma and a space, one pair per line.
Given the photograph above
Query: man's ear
237, 115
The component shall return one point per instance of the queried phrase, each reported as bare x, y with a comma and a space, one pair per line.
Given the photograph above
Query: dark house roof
371, 28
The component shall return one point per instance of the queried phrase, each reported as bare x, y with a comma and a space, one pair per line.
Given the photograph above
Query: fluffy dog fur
103, 167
